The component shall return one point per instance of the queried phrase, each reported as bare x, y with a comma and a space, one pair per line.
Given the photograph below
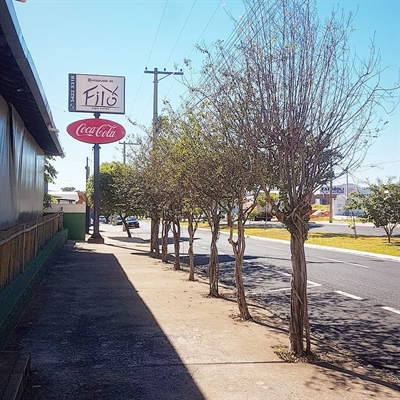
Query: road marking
352, 296
284, 273
267, 247
391, 309
310, 285
313, 284
343, 262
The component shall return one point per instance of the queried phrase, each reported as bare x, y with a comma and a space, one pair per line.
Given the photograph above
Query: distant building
339, 196
65, 197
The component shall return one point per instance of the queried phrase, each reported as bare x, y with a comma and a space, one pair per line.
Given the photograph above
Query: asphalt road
354, 298
366, 229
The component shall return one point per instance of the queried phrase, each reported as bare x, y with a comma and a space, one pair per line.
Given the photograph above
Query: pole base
96, 238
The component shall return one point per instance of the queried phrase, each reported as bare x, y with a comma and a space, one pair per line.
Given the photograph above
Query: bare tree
318, 105
305, 104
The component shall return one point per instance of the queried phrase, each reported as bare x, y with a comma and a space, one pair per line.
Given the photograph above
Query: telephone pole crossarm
156, 72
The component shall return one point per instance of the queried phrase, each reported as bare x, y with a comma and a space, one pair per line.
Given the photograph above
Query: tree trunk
164, 241
128, 231
176, 228
238, 249
155, 227
299, 324
213, 264
191, 232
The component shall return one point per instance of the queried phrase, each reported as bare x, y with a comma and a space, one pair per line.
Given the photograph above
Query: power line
148, 59
158, 29
180, 34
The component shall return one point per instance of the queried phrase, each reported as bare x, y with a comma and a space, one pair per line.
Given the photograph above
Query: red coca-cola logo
96, 131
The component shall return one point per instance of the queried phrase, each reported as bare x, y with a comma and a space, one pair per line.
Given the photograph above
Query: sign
335, 189
96, 93
96, 131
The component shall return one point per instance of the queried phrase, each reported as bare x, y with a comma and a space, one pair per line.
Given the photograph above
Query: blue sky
122, 37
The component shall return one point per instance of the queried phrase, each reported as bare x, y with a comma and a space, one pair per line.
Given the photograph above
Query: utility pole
155, 220
124, 149
156, 72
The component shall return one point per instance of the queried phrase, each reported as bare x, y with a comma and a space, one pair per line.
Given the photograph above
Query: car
132, 222
103, 219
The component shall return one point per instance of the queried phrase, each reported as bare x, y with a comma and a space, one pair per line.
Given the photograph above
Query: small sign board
96, 93
96, 131
335, 189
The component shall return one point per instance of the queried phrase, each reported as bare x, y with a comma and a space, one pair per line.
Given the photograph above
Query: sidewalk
110, 322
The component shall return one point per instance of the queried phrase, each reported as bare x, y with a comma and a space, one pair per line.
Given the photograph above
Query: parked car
103, 219
132, 222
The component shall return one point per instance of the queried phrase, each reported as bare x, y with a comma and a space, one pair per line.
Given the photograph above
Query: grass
370, 244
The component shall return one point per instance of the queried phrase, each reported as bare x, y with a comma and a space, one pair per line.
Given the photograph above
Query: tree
381, 205
313, 107
120, 187
68, 189
50, 174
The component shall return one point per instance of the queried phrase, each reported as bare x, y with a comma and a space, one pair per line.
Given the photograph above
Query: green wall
75, 223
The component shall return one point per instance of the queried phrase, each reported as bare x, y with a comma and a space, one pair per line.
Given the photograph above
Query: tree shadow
91, 336
363, 329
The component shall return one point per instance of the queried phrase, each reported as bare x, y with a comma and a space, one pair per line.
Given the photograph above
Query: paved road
366, 229
354, 299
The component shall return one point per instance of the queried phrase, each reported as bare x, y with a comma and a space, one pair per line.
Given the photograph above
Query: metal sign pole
96, 237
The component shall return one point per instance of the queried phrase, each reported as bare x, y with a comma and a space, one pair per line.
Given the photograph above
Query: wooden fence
21, 243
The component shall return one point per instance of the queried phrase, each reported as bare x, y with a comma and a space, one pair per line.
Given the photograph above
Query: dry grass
370, 244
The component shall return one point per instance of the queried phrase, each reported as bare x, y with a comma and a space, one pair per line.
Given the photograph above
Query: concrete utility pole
156, 72
124, 149
154, 247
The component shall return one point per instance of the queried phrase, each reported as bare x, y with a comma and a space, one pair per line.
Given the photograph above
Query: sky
123, 37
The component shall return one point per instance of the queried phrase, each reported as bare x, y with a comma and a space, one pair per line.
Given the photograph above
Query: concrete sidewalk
111, 322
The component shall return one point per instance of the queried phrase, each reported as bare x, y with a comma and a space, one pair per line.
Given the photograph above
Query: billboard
96, 93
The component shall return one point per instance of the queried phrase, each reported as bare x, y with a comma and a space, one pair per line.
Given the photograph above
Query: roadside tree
381, 205
314, 106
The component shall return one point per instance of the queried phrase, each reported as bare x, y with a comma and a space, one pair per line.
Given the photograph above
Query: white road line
309, 286
267, 247
352, 296
344, 262
391, 309
313, 284
284, 273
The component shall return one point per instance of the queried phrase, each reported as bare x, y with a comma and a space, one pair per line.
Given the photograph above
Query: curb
19, 376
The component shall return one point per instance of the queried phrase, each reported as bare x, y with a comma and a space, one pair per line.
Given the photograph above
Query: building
28, 134
27, 129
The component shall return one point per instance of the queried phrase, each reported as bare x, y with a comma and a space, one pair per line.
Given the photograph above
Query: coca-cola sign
96, 131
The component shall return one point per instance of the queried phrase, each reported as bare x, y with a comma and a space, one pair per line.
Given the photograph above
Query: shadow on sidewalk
91, 336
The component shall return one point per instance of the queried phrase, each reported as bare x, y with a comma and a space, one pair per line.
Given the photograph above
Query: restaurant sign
96, 131
96, 93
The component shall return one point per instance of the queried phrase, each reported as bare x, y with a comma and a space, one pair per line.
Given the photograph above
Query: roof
20, 84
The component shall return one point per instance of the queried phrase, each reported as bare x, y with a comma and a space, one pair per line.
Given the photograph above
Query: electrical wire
180, 34
148, 59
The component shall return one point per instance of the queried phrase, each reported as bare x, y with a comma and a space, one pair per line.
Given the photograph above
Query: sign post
96, 237
98, 93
